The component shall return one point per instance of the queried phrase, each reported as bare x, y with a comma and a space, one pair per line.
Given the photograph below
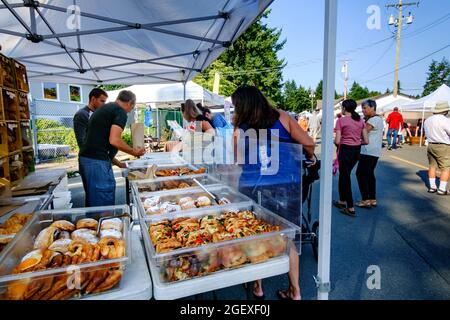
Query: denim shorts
100, 184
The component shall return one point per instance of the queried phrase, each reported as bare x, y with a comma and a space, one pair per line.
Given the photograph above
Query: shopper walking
437, 130
351, 133
395, 122
314, 125
370, 154
278, 191
102, 143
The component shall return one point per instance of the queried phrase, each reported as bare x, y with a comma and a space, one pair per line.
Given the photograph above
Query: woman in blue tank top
268, 148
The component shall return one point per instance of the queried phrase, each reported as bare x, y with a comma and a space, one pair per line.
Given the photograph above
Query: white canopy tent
126, 42
170, 94
143, 41
427, 103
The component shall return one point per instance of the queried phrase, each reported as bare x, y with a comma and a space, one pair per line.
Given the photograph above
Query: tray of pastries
198, 244
11, 227
159, 170
65, 254
171, 183
164, 202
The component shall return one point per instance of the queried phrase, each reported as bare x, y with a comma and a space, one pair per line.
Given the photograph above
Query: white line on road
409, 162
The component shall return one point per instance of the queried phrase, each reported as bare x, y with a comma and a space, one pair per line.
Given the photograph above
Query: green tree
438, 74
357, 92
253, 60
110, 87
206, 78
290, 96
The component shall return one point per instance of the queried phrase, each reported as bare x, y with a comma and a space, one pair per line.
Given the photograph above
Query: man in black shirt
97, 98
102, 143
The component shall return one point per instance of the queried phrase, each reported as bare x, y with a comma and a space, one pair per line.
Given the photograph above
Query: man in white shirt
437, 131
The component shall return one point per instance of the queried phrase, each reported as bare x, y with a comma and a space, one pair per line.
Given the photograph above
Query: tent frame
32, 35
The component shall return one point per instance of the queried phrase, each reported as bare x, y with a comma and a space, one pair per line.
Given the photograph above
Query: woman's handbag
336, 162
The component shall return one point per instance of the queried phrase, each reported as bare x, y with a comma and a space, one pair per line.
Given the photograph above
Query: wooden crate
14, 139
10, 104
4, 150
7, 74
24, 109
4, 168
15, 168
28, 161
26, 134
21, 77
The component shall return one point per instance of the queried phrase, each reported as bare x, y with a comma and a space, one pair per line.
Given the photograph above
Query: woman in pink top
351, 133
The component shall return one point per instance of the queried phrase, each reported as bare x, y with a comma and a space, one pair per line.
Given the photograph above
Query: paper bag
137, 134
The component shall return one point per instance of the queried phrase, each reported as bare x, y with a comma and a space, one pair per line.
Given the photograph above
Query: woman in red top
351, 133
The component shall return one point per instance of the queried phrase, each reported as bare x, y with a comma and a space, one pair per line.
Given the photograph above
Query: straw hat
441, 107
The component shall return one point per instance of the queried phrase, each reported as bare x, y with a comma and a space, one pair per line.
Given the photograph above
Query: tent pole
421, 127
326, 176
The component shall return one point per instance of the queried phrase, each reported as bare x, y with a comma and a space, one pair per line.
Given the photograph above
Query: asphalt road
370, 239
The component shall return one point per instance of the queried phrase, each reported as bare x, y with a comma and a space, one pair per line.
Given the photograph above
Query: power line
428, 27
377, 61
409, 64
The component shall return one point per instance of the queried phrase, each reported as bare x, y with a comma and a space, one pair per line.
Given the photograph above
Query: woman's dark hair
350, 105
253, 109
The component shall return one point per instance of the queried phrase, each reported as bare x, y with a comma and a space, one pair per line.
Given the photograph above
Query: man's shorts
439, 156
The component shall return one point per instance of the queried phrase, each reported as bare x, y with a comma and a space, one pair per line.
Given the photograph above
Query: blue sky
301, 22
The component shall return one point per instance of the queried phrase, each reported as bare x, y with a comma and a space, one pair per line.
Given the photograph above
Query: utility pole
399, 24
345, 72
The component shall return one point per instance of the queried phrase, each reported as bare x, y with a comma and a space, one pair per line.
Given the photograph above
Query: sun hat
441, 106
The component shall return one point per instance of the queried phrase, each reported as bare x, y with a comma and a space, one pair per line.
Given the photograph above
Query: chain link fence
55, 139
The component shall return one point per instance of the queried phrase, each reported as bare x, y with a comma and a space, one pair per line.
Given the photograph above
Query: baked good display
180, 171
114, 223
64, 225
185, 232
165, 185
11, 226
52, 250
87, 223
155, 204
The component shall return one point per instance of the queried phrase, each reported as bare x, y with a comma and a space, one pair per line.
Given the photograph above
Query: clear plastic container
192, 262
29, 205
137, 172
174, 196
172, 183
70, 281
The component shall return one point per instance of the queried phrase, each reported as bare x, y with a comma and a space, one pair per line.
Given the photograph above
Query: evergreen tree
438, 74
253, 60
357, 92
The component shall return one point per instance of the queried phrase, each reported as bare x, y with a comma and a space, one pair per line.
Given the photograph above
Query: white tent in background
170, 95
426, 104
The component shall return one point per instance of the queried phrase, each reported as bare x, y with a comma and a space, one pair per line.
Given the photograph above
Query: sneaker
389, 148
443, 192
432, 190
